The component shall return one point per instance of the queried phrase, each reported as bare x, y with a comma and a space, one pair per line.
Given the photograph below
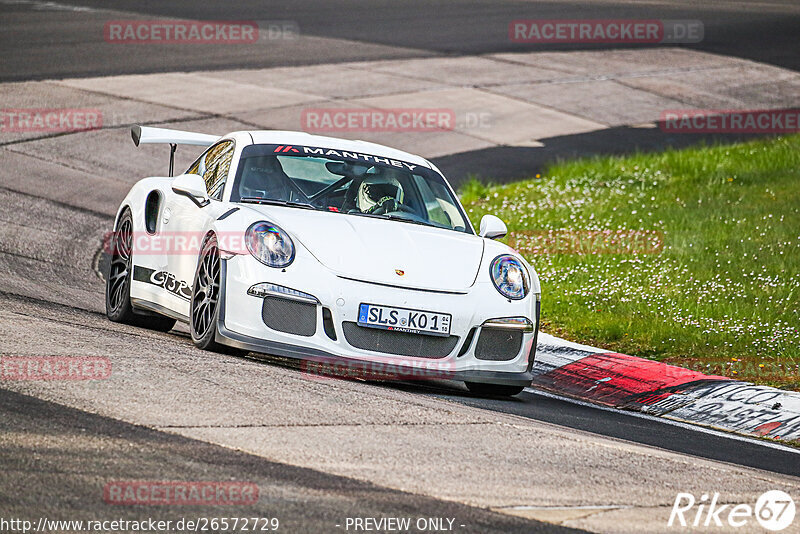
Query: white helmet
377, 187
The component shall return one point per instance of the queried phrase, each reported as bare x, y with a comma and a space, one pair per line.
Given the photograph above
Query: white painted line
687, 426
46, 6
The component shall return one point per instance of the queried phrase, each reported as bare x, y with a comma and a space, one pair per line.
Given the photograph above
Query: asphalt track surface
48, 42
51, 302
642, 429
61, 480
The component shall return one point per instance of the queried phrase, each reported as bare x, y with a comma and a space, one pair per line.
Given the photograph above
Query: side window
213, 166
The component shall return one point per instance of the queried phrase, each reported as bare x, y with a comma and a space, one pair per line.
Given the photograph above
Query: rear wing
149, 135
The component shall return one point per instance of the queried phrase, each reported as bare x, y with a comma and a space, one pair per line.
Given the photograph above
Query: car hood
386, 252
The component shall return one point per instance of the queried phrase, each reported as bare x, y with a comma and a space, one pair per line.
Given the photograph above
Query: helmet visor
375, 192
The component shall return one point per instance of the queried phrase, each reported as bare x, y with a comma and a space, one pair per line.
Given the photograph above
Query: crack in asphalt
46, 303
25, 256
86, 326
60, 204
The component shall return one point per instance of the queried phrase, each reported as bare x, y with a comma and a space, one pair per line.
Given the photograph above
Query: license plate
404, 320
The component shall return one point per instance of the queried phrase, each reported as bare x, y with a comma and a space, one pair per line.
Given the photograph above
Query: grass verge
690, 257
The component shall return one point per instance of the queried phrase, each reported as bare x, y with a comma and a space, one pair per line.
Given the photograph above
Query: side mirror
192, 186
492, 227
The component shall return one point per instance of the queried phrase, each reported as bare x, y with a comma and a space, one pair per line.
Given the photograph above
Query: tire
493, 390
118, 282
204, 310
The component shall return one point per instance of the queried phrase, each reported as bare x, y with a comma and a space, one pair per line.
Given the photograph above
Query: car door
187, 222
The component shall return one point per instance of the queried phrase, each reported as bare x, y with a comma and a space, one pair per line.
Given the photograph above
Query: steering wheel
391, 205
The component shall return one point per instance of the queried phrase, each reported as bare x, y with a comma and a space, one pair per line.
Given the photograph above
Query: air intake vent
327, 323
467, 342
498, 345
401, 343
290, 316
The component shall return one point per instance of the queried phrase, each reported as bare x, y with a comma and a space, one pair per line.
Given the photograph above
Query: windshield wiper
278, 202
396, 218
412, 221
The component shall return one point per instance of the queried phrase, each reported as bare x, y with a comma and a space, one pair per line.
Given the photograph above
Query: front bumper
241, 325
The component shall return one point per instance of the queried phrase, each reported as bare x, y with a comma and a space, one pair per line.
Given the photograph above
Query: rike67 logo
774, 511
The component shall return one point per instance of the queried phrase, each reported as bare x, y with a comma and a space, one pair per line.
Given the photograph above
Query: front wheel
493, 390
205, 298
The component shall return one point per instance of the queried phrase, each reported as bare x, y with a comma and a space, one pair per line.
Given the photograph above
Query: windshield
346, 183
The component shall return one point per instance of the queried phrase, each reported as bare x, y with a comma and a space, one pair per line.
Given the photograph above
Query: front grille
290, 316
400, 343
498, 345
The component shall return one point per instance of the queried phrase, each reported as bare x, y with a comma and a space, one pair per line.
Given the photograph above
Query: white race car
345, 254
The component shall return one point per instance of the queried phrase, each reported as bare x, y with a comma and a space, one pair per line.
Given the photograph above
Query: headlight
269, 244
510, 277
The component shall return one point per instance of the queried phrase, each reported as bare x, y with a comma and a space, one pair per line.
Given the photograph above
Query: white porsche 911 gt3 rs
338, 252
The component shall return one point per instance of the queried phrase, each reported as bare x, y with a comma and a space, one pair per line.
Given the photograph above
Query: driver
380, 192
